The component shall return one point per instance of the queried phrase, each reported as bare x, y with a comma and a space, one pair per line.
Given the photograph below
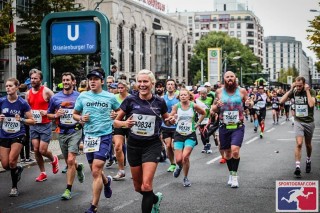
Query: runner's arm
119, 123
29, 120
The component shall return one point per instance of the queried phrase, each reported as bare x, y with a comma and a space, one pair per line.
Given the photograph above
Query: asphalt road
263, 161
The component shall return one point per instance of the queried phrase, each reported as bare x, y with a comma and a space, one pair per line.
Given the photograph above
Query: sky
278, 17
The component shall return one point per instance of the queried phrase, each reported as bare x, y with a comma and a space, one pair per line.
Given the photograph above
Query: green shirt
303, 113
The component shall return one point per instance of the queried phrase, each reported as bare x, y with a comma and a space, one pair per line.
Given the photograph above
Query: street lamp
239, 58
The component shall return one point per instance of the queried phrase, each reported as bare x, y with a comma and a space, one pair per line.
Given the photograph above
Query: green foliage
29, 43
287, 72
231, 47
6, 17
314, 37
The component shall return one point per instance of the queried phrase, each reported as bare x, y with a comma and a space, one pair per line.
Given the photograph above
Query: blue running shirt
99, 107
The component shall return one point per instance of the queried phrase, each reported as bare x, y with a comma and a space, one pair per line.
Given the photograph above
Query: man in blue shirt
93, 108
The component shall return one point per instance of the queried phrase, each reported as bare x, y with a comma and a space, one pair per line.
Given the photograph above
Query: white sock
298, 164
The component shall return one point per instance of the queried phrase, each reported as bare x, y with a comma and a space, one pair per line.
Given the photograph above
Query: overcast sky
278, 17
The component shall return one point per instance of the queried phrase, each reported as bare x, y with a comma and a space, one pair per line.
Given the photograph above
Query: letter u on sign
76, 32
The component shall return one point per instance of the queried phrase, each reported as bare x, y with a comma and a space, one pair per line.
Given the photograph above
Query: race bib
184, 127
144, 124
37, 116
287, 103
10, 125
301, 110
256, 107
231, 117
261, 104
205, 121
91, 144
67, 117
275, 106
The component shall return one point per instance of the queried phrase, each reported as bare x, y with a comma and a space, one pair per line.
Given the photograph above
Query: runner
185, 137
70, 131
318, 100
205, 102
145, 112
260, 101
287, 108
159, 89
120, 134
304, 100
228, 103
168, 131
38, 97
252, 110
93, 108
275, 107
14, 109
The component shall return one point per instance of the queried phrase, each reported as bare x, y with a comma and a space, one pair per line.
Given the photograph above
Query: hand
196, 126
2, 116
85, 118
43, 112
306, 87
171, 119
113, 115
129, 122
219, 103
293, 85
59, 113
17, 116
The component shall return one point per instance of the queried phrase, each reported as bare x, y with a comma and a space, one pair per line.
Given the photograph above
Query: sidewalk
54, 147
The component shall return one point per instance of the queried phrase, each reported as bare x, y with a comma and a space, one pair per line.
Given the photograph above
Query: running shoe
109, 164
204, 150
255, 129
230, 180
171, 168
308, 166
234, 182
80, 173
66, 195
91, 210
41, 177
261, 134
223, 161
29, 160
19, 171
297, 172
215, 139
107, 188
209, 151
156, 206
186, 182
65, 170
14, 192
177, 171
55, 165
22, 160
121, 175
251, 120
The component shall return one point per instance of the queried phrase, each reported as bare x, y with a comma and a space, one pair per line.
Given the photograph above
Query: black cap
96, 73
159, 83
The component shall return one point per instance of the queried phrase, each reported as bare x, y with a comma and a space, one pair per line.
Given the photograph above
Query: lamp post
239, 58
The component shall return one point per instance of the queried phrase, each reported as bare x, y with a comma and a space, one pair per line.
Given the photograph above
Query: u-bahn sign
74, 37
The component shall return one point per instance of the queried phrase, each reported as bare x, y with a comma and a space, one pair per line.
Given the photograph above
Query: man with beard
304, 100
70, 133
159, 89
229, 104
40, 134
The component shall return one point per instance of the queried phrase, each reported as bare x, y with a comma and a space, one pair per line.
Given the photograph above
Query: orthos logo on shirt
297, 196
97, 104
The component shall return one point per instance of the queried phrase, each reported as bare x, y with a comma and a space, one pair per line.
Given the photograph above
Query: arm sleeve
51, 107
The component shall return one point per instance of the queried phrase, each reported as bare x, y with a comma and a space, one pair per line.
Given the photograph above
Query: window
238, 25
250, 41
120, 47
197, 34
22, 5
250, 26
204, 26
238, 34
132, 49
231, 33
223, 26
205, 18
177, 59
214, 26
250, 34
231, 25
196, 26
143, 50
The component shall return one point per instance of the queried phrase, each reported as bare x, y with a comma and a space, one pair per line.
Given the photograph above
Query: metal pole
240, 74
202, 72
87, 64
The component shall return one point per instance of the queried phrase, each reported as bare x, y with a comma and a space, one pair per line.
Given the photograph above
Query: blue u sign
74, 37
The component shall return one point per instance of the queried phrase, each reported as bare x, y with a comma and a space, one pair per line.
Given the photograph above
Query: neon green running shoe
66, 195
171, 168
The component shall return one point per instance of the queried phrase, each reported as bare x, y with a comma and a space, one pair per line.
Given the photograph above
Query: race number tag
184, 127
205, 121
144, 124
10, 125
37, 116
91, 144
231, 117
301, 110
275, 106
287, 103
261, 104
67, 117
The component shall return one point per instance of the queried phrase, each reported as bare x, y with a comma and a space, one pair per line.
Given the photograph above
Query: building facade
144, 37
282, 52
241, 24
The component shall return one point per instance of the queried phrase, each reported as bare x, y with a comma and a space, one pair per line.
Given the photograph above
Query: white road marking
253, 139
213, 160
283, 123
270, 130
286, 139
124, 205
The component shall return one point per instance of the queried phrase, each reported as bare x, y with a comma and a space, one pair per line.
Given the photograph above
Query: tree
314, 38
7, 35
231, 47
29, 43
291, 71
